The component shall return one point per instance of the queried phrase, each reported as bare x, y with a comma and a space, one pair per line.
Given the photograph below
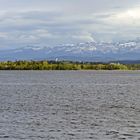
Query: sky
54, 22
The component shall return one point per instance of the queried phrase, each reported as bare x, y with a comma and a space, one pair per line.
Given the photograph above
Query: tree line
64, 65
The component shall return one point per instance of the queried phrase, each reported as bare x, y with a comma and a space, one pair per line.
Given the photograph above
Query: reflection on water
69, 105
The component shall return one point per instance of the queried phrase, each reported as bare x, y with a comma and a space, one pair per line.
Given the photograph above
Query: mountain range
87, 51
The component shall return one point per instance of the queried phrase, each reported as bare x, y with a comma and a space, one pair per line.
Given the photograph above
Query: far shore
65, 65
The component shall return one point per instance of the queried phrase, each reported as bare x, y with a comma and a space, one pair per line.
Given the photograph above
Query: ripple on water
76, 105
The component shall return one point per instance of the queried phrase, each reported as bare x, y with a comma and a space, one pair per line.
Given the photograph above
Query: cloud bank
49, 23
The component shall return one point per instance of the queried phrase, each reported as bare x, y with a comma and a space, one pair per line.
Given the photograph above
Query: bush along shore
65, 65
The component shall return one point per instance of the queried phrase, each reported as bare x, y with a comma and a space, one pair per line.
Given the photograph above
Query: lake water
69, 105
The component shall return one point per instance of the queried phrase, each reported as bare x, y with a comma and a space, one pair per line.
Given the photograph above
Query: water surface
69, 105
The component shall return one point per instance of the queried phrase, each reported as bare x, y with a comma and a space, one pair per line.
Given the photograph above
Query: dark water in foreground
69, 105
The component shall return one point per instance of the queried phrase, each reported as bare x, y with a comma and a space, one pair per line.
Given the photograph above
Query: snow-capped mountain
88, 51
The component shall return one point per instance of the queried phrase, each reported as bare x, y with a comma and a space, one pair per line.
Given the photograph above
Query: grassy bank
64, 65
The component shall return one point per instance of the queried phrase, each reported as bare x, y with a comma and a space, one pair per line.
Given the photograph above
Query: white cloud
54, 22
3, 35
83, 36
129, 17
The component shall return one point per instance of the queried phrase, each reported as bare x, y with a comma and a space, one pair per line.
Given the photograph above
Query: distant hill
126, 62
125, 52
